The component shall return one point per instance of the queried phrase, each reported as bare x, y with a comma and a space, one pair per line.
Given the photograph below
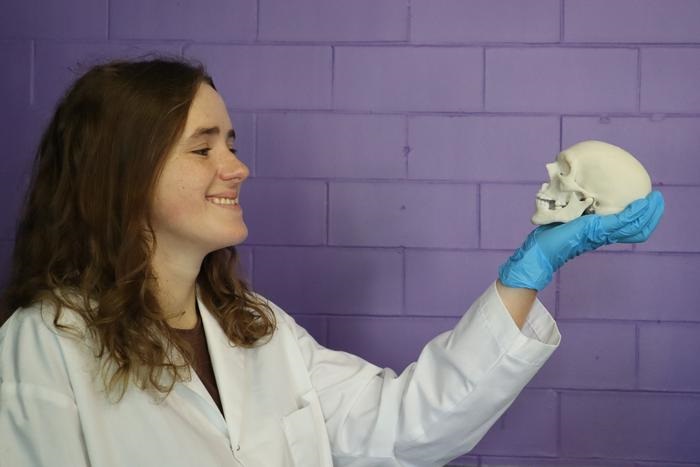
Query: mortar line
409, 31
333, 77
639, 80
257, 21
483, 80
561, 20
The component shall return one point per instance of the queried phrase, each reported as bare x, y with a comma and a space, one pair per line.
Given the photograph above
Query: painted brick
630, 286
244, 124
12, 193
244, 267
14, 93
631, 425
64, 62
213, 20
331, 145
485, 21
21, 132
445, 283
549, 462
669, 80
631, 21
668, 357
591, 356
69, 19
402, 78
317, 326
333, 20
677, 230
505, 214
287, 212
367, 337
503, 149
561, 80
528, 427
668, 147
403, 214
254, 77
331, 280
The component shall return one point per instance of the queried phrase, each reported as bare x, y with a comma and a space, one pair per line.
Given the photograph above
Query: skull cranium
590, 177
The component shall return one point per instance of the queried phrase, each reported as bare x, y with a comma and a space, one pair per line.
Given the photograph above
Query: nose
232, 168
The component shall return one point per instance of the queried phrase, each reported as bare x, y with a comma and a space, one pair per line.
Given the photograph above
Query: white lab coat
290, 402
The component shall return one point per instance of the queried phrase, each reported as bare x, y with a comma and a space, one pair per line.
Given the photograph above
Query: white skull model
590, 177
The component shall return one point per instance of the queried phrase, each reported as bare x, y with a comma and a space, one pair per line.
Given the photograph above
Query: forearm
518, 301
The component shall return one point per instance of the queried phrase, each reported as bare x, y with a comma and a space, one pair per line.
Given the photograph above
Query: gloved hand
548, 247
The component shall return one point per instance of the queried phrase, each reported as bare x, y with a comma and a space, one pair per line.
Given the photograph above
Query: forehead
207, 110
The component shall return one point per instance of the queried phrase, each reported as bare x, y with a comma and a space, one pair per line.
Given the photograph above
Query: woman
132, 342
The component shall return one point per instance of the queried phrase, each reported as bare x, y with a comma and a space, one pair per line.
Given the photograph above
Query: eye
202, 152
234, 151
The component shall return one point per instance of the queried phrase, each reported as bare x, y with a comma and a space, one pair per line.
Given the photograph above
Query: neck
176, 276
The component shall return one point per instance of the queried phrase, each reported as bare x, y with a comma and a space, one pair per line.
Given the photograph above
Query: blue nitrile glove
548, 247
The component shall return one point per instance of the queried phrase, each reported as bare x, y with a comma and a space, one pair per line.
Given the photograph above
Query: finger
650, 225
614, 222
642, 228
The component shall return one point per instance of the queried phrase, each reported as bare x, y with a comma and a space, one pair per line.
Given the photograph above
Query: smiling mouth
223, 201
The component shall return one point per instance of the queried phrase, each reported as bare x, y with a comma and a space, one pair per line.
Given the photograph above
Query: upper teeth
216, 200
550, 203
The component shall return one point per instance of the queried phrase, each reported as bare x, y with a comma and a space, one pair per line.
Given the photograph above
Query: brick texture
447, 79
331, 280
653, 426
331, 145
502, 149
484, 21
561, 80
668, 80
403, 214
333, 20
631, 21
214, 20
248, 76
69, 19
284, 212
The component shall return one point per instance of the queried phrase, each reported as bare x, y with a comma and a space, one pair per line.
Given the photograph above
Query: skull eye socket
564, 168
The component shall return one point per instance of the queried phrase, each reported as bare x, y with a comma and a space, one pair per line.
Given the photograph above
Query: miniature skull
590, 177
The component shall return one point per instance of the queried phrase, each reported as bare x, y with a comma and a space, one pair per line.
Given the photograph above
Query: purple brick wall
395, 147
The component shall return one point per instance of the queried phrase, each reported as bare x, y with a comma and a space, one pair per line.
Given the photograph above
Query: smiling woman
124, 202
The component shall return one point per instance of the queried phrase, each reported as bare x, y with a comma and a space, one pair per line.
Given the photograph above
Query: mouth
550, 204
223, 201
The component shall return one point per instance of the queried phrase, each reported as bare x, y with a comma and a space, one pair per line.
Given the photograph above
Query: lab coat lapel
229, 369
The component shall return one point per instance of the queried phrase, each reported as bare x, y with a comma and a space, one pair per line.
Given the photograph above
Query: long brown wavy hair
84, 240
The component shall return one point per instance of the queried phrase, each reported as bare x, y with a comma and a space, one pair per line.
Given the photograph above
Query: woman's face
195, 207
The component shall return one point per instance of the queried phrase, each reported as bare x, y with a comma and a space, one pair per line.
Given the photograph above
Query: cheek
176, 199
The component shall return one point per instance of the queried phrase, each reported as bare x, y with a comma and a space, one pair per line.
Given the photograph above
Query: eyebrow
211, 131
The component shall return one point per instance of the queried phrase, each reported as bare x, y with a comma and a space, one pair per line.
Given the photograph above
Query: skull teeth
551, 204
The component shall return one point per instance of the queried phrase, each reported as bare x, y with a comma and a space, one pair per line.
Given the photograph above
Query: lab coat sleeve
39, 424
440, 406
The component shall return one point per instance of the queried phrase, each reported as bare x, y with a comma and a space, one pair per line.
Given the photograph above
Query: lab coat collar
229, 370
